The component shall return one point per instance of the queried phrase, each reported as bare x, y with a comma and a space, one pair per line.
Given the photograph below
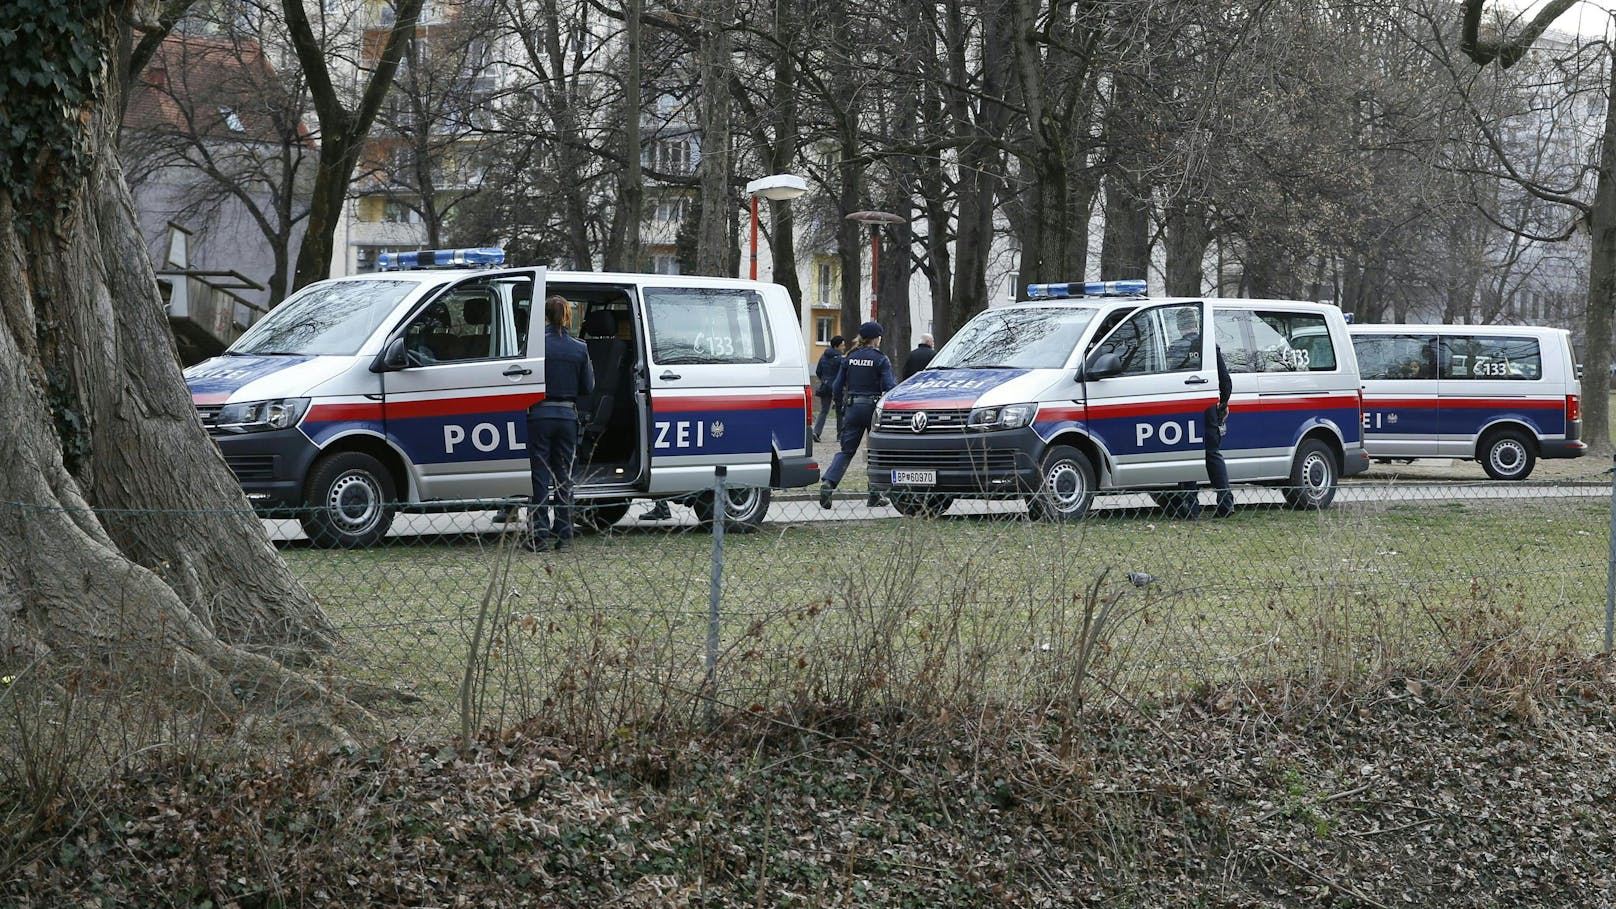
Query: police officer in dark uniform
1215, 418
552, 428
866, 375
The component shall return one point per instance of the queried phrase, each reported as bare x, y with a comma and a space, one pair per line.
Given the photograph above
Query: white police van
1504, 395
1087, 387
409, 388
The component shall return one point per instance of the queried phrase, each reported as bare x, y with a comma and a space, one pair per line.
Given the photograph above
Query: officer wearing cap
865, 376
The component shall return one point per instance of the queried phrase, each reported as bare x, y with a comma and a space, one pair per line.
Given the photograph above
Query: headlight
261, 416
1008, 416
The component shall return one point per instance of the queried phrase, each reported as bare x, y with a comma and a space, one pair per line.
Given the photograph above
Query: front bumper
1004, 462
271, 466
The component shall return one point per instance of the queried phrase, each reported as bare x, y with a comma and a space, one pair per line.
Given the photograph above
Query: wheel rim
742, 503
1316, 476
1508, 456
1064, 486
354, 502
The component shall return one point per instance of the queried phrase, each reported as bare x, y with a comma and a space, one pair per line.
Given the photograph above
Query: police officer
866, 375
552, 428
830, 363
1215, 418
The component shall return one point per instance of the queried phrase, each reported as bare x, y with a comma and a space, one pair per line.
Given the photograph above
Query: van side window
1294, 342
707, 325
1394, 356
464, 324
1142, 342
1231, 329
1487, 357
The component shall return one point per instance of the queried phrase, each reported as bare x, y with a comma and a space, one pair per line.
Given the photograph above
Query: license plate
914, 478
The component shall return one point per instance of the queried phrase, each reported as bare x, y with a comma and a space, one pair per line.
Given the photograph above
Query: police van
409, 388
1092, 387
1504, 395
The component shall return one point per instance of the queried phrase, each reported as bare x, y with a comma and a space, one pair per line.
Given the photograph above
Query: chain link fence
656, 617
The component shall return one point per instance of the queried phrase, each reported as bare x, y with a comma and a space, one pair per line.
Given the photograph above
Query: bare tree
1598, 215
229, 127
343, 129
98, 417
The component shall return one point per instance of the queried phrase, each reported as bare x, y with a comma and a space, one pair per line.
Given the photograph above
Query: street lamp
776, 188
875, 219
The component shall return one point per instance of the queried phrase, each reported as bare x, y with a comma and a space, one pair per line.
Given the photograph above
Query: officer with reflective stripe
865, 376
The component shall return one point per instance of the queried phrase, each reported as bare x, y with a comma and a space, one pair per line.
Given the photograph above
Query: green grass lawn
957, 608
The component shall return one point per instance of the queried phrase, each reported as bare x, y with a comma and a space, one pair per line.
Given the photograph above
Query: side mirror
1100, 366
393, 357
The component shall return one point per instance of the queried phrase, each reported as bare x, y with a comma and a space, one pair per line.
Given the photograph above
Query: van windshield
331, 318
1016, 338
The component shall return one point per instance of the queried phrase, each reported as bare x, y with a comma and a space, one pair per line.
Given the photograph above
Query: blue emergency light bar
477, 257
1134, 287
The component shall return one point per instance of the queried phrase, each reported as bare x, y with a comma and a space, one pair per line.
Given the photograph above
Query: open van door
460, 374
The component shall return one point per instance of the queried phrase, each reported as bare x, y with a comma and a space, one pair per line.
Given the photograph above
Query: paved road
791, 507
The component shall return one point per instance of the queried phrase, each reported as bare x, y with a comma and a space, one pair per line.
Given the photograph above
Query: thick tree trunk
715, 238
623, 249
1187, 239
172, 571
1601, 288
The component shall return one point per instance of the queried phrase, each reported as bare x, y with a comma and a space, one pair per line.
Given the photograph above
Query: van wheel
1507, 455
350, 501
1313, 477
747, 506
599, 517
1066, 486
920, 504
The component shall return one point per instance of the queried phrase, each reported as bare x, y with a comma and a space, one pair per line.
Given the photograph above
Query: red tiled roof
208, 85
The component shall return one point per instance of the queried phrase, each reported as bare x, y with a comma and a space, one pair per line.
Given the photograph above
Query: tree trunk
342, 132
623, 250
172, 573
1601, 287
981, 163
1187, 239
715, 240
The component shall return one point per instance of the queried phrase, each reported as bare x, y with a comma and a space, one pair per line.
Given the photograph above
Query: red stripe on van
217, 398
1310, 402
1150, 408
432, 407
666, 404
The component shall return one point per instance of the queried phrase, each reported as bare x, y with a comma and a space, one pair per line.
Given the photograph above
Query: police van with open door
1091, 388
409, 388
1504, 395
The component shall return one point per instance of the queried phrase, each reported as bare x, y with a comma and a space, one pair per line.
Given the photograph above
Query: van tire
350, 501
920, 504
748, 505
1507, 454
598, 516
1314, 476
1065, 486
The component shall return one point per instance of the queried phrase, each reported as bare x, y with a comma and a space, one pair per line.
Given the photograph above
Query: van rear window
1490, 357
707, 325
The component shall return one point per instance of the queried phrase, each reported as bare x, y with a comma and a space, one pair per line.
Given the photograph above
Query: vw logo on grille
918, 421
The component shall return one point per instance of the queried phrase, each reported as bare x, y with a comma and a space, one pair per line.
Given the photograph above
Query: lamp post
776, 188
875, 219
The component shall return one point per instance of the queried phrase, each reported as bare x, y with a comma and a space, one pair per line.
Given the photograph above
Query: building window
664, 264
671, 208
823, 285
824, 328
232, 120
673, 156
1015, 286
396, 212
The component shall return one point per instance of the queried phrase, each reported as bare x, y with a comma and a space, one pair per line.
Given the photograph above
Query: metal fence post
720, 518
1610, 569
